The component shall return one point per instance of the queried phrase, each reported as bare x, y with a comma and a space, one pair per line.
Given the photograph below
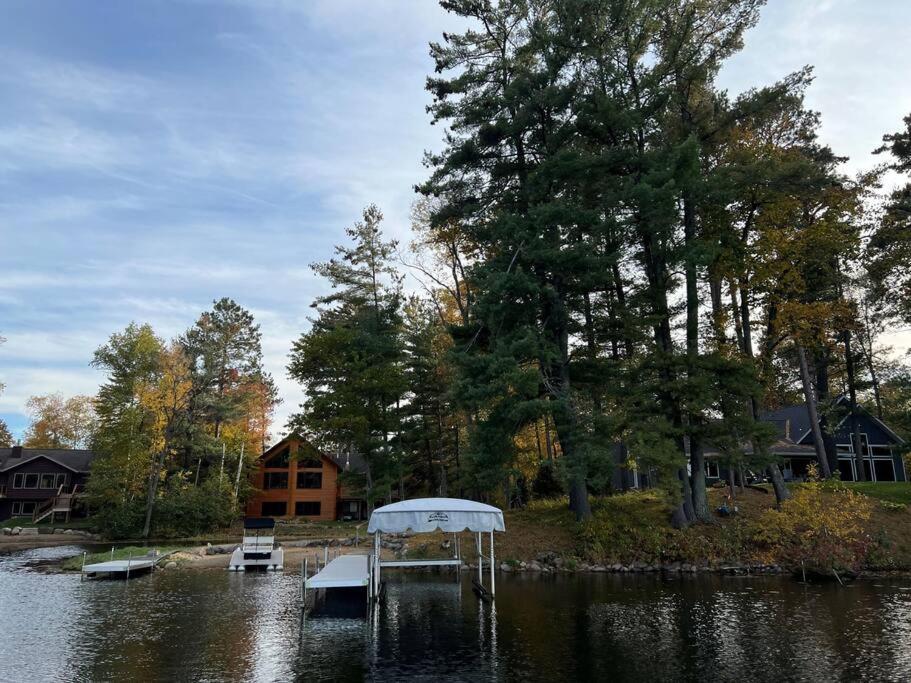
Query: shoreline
211, 557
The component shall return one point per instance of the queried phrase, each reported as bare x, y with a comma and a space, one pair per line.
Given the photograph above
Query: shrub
819, 528
187, 510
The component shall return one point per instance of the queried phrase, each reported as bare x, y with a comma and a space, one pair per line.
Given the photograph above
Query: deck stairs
60, 503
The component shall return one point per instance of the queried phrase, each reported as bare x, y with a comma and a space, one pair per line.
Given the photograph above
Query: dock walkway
345, 571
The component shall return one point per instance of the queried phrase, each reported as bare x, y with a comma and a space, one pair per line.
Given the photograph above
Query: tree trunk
781, 490
821, 363
697, 474
852, 399
809, 395
697, 461
151, 493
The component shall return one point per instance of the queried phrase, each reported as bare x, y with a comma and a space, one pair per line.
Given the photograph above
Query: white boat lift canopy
430, 514
424, 515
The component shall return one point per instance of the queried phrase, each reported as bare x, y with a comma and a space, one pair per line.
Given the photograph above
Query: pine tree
888, 251
351, 360
224, 349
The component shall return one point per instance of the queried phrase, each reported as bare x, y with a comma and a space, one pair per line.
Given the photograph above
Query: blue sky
156, 155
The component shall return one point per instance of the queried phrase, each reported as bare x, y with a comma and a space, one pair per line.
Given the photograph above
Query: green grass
892, 491
74, 564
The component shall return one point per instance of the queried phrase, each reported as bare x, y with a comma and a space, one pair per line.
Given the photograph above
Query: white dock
345, 571
119, 566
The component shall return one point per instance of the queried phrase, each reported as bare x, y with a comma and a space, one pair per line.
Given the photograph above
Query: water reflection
217, 625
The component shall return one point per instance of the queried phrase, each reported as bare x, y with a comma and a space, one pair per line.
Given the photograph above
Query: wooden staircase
62, 502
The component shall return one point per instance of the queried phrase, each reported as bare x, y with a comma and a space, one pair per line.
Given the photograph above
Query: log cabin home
41, 483
295, 479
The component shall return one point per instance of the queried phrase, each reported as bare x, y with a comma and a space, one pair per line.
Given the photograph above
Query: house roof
352, 462
794, 421
72, 459
781, 446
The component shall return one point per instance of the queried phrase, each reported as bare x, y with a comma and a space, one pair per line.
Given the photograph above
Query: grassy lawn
893, 491
75, 563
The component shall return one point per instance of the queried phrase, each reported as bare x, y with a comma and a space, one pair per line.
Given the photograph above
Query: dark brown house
40, 482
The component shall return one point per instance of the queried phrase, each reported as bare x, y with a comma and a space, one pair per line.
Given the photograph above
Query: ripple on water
216, 625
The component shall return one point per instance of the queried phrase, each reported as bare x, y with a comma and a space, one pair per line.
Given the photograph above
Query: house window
274, 509
19, 480
881, 451
280, 459
307, 508
309, 480
23, 508
275, 480
307, 456
846, 469
884, 469
31, 481
48, 481
61, 481
712, 471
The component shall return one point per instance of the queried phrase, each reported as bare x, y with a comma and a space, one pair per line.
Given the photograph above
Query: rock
28, 531
69, 532
446, 545
598, 568
548, 557
504, 567
6, 531
16, 530
219, 549
533, 566
171, 565
59, 531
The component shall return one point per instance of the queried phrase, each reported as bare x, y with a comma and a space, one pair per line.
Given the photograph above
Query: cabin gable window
280, 459
308, 457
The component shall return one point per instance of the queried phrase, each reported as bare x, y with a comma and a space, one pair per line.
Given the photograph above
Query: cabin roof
75, 460
345, 461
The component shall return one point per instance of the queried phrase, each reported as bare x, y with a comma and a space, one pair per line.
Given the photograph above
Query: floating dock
124, 568
119, 566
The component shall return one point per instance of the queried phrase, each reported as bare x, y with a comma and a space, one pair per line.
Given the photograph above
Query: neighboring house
41, 482
294, 479
881, 456
880, 446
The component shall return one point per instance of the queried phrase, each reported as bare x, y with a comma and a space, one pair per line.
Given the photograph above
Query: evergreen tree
224, 349
351, 360
6, 436
889, 249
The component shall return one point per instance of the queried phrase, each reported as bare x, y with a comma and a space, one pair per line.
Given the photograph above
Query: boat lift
422, 515
450, 515
257, 550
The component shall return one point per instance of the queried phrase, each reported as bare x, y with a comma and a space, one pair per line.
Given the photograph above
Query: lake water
216, 625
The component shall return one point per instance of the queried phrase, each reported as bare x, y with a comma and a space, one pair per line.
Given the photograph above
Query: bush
181, 510
121, 521
187, 510
821, 528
